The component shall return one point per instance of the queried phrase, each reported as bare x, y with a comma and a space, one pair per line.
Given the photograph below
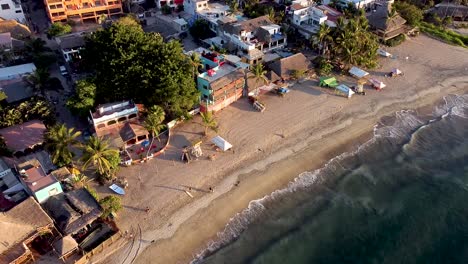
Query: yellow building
81, 10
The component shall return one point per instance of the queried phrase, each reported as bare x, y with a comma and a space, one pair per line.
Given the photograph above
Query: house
19, 227
357, 3
11, 9
37, 182
82, 11
24, 137
118, 122
70, 46
16, 72
11, 189
286, 66
16, 90
171, 3
456, 12
73, 211
214, 13
307, 18
252, 38
385, 24
193, 6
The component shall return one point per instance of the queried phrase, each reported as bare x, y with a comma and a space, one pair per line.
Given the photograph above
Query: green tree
201, 30
298, 74
412, 14
3, 96
83, 100
154, 120
195, 61
80, 181
110, 205
209, 122
98, 154
323, 37
58, 29
131, 64
58, 142
38, 80
258, 74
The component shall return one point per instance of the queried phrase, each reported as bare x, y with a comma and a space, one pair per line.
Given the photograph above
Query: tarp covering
328, 81
345, 89
221, 143
377, 84
358, 73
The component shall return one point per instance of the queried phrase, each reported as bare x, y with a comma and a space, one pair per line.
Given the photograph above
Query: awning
345, 89
357, 72
221, 143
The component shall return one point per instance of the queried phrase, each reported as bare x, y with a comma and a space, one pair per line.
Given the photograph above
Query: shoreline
281, 168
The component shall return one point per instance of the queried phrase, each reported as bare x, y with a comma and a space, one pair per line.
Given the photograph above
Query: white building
171, 3
71, 45
11, 9
357, 3
253, 37
193, 6
307, 18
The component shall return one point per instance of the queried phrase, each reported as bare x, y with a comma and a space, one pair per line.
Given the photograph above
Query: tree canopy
83, 100
411, 13
131, 64
58, 29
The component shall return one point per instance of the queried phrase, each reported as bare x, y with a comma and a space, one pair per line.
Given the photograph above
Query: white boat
117, 189
383, 53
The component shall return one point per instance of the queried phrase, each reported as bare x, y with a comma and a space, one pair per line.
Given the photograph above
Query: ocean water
400, 198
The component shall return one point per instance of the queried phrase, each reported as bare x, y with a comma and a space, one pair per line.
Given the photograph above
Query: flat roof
222, 71
13, 71
23, 136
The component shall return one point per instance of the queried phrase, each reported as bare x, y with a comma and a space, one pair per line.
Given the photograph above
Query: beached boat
117, 189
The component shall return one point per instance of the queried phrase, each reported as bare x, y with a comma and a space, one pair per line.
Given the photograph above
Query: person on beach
147, 209
211, 189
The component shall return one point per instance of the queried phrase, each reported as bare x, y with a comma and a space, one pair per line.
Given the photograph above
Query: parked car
63, 71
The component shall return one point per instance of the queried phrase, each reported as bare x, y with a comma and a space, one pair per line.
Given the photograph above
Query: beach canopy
357, 72
345, 89
221, 143
376, 83
328, 81
396, 71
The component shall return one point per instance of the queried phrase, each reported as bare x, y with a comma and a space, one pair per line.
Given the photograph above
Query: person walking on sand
147, 209
211, 189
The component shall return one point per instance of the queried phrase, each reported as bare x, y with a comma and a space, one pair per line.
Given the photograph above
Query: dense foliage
411, 13
349, 43
25, 111
59, 141
83, 100
97, 153
58, 29
444, 34
201, 30
110, 204
131, 64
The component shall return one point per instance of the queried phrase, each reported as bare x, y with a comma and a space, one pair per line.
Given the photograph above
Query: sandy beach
297, 133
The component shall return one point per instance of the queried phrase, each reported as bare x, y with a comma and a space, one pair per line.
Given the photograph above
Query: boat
117, 189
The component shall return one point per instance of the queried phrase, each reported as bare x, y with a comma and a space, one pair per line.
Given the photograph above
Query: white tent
345, 89
221, 143
358, 73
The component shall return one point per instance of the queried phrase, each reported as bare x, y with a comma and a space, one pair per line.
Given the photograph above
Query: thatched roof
381, 20
285, 66
65, 245
73, 210
19, 224
449, 9
17, 30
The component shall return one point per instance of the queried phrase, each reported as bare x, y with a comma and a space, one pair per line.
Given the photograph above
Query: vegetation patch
446, 35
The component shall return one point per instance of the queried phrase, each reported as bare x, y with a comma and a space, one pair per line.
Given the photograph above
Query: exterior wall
10, 9
222, 103
67, 54
43, 194
203, 86
89, 10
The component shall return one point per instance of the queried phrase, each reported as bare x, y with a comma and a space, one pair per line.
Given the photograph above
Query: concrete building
307, 18
80, 11
171, 3
254, 37
11, 9
70, 46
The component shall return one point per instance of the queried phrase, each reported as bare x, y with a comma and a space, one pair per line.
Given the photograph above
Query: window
205, 87
18, 11
101, 126
122, 119
111, 122
132, 116
5, 6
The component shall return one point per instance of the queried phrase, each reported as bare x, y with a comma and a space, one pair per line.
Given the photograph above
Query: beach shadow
169, 187
244, 105
379, 74
195, 189
133, 208
179, 141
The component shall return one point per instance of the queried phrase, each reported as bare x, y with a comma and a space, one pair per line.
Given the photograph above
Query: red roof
26, 135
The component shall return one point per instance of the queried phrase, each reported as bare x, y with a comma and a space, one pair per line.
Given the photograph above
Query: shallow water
401, 198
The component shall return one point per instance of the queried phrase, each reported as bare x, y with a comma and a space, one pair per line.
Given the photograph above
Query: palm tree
209, 122
323, 37
38, 80
195, 62
80, 181
258, 74
271, 14
58, 142
98, 154
233, 7
154, 120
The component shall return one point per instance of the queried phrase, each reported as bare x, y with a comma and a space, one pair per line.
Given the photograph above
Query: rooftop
112, 108
23, 136
285, 66
380, 19
247, 25
227, 79
73, 210
13, 71
220, 72
17, 225
16, 90
71, 42
17, 30
35, 177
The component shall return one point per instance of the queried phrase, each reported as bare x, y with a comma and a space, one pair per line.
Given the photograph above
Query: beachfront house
286, 67
37, 182
307, 18
250, 39
386, 23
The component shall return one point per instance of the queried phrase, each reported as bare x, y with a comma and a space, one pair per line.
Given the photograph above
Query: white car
63, 71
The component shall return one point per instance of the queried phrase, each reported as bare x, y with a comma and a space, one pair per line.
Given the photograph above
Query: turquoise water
401, 198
